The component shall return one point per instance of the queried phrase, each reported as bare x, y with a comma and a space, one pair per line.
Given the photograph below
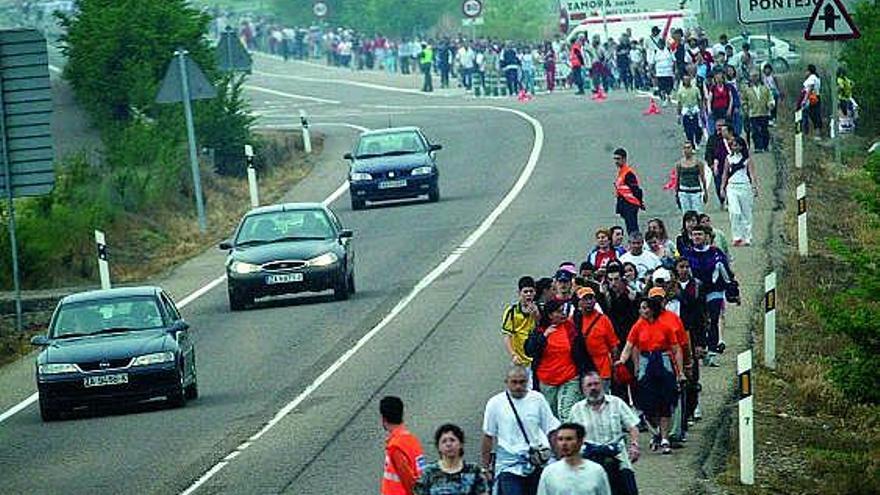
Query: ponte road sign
762, 11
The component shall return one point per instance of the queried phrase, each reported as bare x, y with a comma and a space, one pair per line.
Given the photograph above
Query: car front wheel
342, 290
434, 194
177, 398
357, 204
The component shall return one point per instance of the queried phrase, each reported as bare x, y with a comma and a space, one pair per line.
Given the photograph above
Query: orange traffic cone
601, 95
653, 109
523, 96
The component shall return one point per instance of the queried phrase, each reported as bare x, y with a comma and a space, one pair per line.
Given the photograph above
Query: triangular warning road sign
830, 21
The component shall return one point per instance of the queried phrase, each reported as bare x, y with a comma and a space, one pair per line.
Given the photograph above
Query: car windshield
390, 143
264, 228
106, 315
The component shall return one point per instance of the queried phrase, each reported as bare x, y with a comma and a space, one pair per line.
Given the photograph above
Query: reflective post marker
103, 259
746, 419
307, 138
252, 176
798, 139
191, 138
802, 219
770, 320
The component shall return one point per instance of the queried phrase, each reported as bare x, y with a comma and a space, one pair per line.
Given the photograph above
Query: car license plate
392, 184
284, 278
103, 380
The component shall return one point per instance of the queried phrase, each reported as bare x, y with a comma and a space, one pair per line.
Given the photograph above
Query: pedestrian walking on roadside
515, 422
598, 331
578, 62
426, 62
691, 192
549, 66
451, 474
519, 319
572, 473
608, 420
758, 102
558, 357
510, 66
404, 457
651, 343
811, 102
740, 189
710, 266
688, 96
627, 192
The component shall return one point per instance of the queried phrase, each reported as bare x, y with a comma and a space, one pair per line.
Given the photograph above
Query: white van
640, 24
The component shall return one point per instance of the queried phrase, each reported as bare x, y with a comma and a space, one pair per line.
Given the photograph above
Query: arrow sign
830, 22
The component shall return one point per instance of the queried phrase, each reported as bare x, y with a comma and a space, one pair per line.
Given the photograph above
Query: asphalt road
442, 353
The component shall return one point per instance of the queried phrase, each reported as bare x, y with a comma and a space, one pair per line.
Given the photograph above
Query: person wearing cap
558, 355
601, 341
650, 343
563, 288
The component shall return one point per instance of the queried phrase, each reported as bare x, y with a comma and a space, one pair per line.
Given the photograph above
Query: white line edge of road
432, 276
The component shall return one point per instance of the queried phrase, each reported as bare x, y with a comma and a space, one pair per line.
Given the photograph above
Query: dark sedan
108, 346
393, 163
286, 249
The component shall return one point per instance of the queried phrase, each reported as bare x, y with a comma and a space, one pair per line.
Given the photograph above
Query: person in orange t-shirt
654, 341
551, 346
601, 341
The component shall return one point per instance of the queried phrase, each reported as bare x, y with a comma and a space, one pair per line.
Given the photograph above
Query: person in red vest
628, 192
404, 456
577, 62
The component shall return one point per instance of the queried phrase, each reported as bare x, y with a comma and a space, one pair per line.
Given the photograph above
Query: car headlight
360, 176
422, 170
325, 259
155, 358
243, 268
56, 368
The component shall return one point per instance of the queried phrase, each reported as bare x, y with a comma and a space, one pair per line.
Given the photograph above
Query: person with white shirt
645, 261
811, 101
573, 474
505, 412
467, 61
739, 186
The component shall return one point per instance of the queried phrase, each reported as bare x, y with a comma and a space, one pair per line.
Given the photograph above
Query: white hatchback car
784, 55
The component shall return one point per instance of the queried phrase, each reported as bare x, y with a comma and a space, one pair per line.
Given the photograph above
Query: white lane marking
12, 411
430, 278
291, 95
359, 84
18, 407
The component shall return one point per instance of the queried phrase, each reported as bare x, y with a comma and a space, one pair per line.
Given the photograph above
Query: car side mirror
225, 245
179, 326
40, 341
435, 147
348, 156
346, 234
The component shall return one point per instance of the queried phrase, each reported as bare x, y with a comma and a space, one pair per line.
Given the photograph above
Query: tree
117, 52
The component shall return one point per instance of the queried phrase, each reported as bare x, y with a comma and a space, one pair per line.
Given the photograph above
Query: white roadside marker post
103, 259
252, 176
770, 320
798, 139
746, 419
803, 247
307, 137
